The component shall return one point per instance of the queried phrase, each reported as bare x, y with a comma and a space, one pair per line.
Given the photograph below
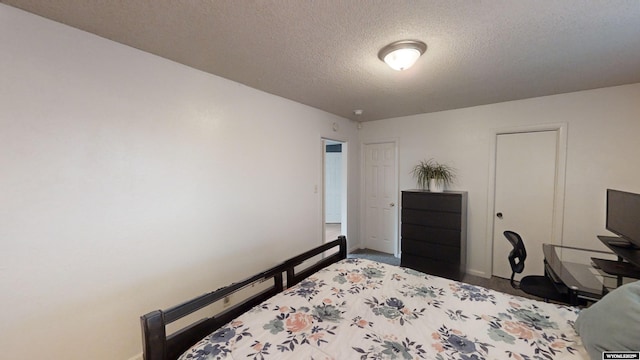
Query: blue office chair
536, 285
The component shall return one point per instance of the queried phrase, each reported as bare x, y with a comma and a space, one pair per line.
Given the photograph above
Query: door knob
499, 215
392, 204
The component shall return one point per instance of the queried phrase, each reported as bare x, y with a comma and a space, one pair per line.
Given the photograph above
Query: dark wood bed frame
160, 346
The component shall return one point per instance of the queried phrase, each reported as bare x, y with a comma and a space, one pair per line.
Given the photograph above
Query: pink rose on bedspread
438, 347
355, 277
299, 322
360, 322
317, 336
558, 344
518, 330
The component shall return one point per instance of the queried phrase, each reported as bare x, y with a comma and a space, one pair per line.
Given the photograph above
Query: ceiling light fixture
401, 55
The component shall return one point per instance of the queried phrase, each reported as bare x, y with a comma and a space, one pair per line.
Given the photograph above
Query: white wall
130, 183
603, 152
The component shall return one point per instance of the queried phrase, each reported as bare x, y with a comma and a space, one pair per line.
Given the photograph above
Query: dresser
434, 232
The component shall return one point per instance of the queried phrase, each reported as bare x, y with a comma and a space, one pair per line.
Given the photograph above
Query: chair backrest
518, 255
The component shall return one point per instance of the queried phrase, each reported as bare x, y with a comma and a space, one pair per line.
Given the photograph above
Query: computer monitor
623, 215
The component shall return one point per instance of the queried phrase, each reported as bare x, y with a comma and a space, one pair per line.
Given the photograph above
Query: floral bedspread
360, 309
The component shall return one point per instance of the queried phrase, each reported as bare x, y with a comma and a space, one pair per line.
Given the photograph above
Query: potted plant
433, 175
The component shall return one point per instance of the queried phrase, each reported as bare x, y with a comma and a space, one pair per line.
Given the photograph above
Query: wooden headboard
160, 346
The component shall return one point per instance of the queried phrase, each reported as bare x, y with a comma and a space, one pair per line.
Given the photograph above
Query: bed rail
294, 278
157, 345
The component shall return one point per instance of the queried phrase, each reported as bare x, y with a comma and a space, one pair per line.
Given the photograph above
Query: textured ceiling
324, 53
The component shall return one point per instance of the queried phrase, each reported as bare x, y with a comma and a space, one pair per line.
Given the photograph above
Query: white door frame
345, 182
363, 145
558, 201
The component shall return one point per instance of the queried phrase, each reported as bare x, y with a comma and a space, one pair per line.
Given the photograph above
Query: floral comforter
360, 309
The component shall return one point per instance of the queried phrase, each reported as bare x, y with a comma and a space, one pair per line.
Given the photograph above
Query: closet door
526, 166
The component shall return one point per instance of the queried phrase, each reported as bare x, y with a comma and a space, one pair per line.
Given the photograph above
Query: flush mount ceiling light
401, 55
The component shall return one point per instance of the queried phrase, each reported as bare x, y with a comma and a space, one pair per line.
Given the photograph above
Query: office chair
537, 285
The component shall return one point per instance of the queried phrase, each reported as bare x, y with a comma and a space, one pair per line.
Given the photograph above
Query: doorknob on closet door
392, 204
499, 215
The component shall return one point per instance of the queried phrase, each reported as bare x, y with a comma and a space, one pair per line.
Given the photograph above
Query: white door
526, 170
380, 190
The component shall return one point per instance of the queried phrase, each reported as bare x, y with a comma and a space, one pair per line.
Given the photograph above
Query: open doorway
334, 217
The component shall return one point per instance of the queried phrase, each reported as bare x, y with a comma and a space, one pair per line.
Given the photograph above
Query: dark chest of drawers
434, 232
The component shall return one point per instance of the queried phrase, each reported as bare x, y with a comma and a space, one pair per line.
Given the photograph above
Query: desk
628, 263
572, 266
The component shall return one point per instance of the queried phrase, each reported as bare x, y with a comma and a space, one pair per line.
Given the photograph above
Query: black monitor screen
623, 215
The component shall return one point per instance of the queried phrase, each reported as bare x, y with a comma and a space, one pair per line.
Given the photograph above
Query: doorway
334, 189
528, 195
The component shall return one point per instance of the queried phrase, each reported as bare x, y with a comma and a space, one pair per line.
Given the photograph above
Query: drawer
432, 219
431, 250
432, 235
432, 201
434, 267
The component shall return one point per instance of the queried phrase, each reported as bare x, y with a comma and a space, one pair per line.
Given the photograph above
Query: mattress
361, 309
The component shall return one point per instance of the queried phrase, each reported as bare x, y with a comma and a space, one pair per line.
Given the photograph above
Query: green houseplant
433, 175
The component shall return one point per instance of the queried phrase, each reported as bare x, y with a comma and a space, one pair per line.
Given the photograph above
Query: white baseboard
137, 357
478, 273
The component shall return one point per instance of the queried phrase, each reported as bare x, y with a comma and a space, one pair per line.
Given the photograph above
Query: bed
343, 308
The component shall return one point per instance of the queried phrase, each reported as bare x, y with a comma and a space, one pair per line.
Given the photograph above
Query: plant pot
436, 185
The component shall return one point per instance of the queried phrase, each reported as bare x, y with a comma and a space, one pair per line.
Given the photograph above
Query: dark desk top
575, 270
617, 268
630, 254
